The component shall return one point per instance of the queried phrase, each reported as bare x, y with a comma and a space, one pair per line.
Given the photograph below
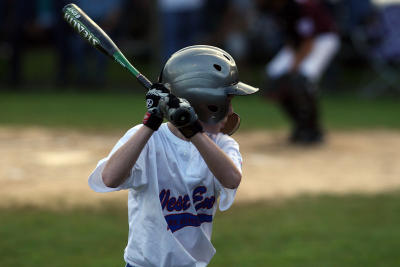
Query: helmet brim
240, 89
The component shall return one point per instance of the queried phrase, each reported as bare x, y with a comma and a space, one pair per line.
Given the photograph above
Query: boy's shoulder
223, 139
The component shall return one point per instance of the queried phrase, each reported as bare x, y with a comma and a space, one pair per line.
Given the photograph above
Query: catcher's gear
303, 100
154, 116
297, 98
181, 114
205, 76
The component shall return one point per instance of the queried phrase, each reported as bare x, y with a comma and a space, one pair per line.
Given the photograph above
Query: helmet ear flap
232, 124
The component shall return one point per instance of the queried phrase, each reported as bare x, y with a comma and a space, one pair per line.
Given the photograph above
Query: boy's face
216, 128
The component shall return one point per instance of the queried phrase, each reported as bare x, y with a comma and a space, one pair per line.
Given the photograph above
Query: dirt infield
43, 167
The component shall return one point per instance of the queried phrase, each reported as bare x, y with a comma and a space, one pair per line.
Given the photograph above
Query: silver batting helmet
205, 76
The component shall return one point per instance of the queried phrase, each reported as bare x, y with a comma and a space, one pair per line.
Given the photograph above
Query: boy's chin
213, 128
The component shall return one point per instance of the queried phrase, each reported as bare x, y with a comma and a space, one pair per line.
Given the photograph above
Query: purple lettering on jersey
173, 203
207, 203
198, 192
164, 197
179, 204
202, 202
178, 221
186, 202
182, 203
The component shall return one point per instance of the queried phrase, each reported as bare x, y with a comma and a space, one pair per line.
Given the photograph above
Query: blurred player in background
310, 43
181, 24
175, 172
224, 31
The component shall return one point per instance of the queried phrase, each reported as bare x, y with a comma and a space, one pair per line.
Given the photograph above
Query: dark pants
298, 100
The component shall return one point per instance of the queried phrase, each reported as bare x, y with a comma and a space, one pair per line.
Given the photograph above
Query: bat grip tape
144, 81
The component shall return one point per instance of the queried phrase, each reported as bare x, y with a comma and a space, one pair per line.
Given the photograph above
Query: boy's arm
217, 161
119, 165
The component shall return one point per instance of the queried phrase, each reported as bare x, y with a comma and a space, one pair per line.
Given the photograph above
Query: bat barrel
96, 37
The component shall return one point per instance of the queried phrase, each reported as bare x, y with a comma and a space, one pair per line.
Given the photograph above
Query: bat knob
181, 117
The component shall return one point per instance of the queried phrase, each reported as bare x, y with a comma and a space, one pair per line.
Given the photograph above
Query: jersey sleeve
135, 179
231, 148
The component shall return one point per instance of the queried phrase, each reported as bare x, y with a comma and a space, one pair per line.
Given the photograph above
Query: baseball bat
96, 37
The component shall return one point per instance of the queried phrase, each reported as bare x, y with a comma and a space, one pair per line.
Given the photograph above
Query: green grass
350, 112
35, 237
352, 230
311, 231
105, 110
72, 110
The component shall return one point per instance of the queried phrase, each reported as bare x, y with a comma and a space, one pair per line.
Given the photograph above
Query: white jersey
172, 200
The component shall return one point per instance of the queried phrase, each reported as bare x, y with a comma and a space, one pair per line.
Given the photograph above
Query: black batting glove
181, 114
154, 116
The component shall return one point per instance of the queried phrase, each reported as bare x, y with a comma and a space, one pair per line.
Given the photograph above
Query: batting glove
181, 114
154, 116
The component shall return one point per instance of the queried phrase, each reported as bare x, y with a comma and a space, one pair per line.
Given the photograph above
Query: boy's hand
181, 114
154, 116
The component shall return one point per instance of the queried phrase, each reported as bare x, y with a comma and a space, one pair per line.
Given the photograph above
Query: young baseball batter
176, 171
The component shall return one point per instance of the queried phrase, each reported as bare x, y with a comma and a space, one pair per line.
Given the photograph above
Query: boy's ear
232, 124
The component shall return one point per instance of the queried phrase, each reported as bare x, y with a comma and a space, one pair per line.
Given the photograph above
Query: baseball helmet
205, 76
